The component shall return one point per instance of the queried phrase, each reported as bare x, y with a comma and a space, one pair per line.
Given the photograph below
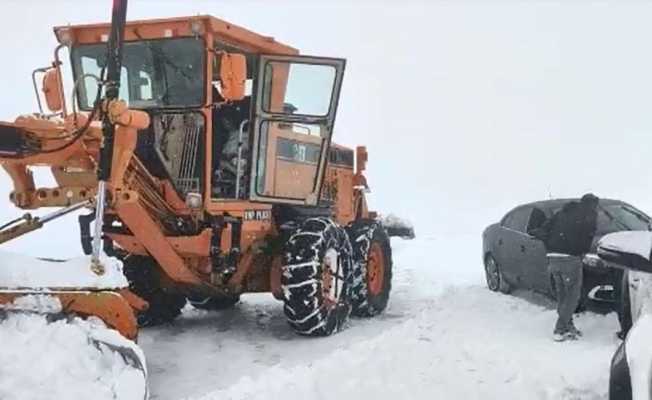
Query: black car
515, 259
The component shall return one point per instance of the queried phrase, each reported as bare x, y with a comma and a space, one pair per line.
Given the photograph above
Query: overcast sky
467, 109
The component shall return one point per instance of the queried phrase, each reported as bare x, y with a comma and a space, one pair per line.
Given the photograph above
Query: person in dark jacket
568, 235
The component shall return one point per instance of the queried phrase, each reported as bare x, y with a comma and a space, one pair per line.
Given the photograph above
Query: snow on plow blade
84, 357
68, 301
399, 227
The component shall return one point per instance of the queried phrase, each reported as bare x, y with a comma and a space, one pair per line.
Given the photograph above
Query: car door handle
522, 248
500, 242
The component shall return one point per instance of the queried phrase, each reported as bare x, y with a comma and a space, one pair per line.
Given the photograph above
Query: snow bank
22, 272
42, 360
632, 242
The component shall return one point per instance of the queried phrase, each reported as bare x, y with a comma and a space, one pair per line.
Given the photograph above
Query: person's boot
574, 330
562, 336
559, 336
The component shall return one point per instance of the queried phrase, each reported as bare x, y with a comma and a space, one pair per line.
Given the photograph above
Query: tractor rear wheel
372, 271
317, 277
144, 281
214, 303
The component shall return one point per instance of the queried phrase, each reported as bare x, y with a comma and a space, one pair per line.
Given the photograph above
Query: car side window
518, 219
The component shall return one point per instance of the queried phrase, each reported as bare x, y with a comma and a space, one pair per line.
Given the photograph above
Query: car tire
496, 281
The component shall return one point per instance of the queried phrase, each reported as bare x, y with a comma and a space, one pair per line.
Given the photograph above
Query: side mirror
52, 90
627, 249
233, 75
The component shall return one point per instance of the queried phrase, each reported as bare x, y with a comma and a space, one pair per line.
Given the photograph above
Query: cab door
294, 113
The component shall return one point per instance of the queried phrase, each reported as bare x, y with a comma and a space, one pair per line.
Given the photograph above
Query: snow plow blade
108, 306
93, 305
116, 334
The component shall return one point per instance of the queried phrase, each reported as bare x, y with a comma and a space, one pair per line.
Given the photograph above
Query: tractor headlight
197, 27
194, 201
65, 36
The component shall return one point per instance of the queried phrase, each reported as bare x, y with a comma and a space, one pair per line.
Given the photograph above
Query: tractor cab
231, 119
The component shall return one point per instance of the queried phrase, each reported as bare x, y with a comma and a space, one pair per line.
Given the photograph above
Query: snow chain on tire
364, 234
317, 278
144, 282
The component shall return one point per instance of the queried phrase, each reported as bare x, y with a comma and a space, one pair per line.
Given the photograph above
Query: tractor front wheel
316, 278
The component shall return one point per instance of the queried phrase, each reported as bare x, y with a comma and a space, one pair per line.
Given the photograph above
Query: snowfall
444, 335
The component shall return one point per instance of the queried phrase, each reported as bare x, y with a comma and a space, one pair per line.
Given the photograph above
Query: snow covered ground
42, 360
443, 336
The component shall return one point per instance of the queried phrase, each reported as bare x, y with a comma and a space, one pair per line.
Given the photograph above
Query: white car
631, 366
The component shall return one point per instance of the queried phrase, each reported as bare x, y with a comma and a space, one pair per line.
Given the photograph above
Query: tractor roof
221, 30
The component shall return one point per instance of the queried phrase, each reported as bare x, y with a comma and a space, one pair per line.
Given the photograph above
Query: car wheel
495, 279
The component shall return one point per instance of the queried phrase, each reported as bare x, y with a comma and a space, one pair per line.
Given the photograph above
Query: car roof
553, 204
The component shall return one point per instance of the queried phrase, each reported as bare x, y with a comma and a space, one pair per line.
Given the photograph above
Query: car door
535, 254
525, 255
511, 245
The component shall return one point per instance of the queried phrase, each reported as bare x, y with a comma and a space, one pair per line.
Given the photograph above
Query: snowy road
444, 335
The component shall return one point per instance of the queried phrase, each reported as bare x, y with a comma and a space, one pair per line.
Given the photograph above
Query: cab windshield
155, 73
